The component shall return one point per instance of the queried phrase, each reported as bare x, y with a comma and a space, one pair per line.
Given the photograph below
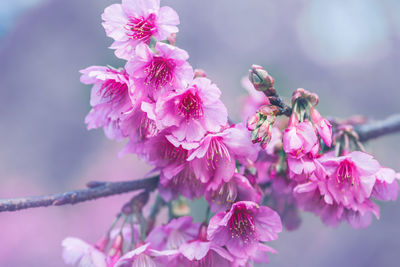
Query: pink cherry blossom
351, 178
242, 227
79, 253
110, 99
177, 175
386, 186
144, 256
323, 126
136, 21
192, 112
215, 158
172, 235
161, 71
299, 138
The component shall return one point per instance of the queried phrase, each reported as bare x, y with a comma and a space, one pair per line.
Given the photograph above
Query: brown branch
379, 128
95, 190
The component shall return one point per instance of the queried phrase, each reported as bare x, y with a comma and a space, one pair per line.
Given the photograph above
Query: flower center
345, 173
112, 91
190, 106
174, 153
216, 153
241, 224
159, 72
147, 128
140, 28
227, 193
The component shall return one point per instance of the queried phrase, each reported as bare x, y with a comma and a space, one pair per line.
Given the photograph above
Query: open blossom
214, 160
236, 189
110, 99
192, 112
386, 186
144, 256
201, 252
350, 177
172, 235
312, 196
177, 175
137, 21
79, 253
166, 69
242, 227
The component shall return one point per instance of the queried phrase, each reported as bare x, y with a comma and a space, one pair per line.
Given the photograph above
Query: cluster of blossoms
172, 117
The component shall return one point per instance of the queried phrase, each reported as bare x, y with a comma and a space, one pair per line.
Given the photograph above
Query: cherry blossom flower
242, 227
144, 256
215, 158
135, 22
172, 235
299, 138
192, 112
79, 253
386, 186
161, 71
110, 99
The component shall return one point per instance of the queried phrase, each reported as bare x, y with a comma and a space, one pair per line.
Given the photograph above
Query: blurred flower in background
346, 51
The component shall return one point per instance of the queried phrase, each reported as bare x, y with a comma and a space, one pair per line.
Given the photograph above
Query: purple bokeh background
344, 50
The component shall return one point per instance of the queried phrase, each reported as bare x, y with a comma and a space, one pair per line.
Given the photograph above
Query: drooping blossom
136, 21
351, 177
79, 253
386, 186
192, 112
242, 227
177, 176
144, 256
203, 253
161, 71
172, 235
110, 99
312, 196
259, 255
299, 139
215, 158
236, 189
323, 126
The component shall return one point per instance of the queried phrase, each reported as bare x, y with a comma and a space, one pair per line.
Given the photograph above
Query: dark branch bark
95, 190
376, 129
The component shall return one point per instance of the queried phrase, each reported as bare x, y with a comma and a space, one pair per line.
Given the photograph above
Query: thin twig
72, 197
379, 128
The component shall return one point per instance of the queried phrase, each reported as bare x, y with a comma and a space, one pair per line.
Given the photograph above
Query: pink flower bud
172, 39
261, 80
199, 73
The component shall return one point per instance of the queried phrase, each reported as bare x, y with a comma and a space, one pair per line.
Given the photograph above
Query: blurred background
347, 51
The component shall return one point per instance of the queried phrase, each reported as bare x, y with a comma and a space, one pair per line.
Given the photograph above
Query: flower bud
260, 124
172, 39
261, 80
323, 126
199, 73
115, 251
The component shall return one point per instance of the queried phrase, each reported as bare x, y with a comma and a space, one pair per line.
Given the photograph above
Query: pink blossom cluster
314, 170
172, 116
